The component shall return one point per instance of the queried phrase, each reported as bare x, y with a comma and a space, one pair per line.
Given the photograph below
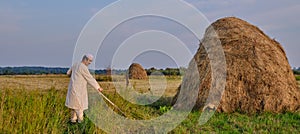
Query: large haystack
136, 71
259, 77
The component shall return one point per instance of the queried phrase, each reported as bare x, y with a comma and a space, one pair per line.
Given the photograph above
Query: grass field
35, 104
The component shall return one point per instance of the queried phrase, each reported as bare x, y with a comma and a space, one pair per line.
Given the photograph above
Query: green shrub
164, 109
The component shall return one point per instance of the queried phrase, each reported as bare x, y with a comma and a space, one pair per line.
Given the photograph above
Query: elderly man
77, 98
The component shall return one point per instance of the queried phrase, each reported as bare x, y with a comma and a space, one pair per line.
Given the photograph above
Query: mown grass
36, 111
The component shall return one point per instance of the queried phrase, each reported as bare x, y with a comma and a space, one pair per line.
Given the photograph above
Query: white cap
90, 56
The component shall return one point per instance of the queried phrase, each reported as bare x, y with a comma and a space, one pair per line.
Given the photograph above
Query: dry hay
136, 71
259, 77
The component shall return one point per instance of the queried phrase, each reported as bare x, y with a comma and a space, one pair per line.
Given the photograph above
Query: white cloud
217, 4
278, 19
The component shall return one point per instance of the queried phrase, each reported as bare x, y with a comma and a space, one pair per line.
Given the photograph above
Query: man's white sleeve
89, 78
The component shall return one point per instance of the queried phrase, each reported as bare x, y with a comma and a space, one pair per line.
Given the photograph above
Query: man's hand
100, 89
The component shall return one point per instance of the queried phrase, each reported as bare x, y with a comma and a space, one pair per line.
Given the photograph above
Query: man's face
88, 61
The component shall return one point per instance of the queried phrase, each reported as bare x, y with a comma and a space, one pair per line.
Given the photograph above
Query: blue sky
44, 33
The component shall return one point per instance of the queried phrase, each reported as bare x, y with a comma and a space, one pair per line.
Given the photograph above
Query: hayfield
35, 104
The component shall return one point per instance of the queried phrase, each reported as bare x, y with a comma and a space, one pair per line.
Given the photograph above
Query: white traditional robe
77, 97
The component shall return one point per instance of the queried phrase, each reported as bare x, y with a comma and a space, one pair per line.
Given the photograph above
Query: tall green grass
241, 123
34, 111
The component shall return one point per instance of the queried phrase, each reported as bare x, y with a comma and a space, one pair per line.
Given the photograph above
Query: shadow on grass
87, 126
163, 101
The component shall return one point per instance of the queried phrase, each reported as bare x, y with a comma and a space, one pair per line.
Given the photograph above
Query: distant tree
150, 70
296, 72
171, 71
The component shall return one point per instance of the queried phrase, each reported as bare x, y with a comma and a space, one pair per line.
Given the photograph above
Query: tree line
31, 70
59, 70
38, 70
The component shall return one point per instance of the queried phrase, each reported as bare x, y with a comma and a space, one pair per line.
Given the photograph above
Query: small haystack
136, 71
259, 77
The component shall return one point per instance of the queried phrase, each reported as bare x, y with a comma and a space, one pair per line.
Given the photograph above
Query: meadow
35, 104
